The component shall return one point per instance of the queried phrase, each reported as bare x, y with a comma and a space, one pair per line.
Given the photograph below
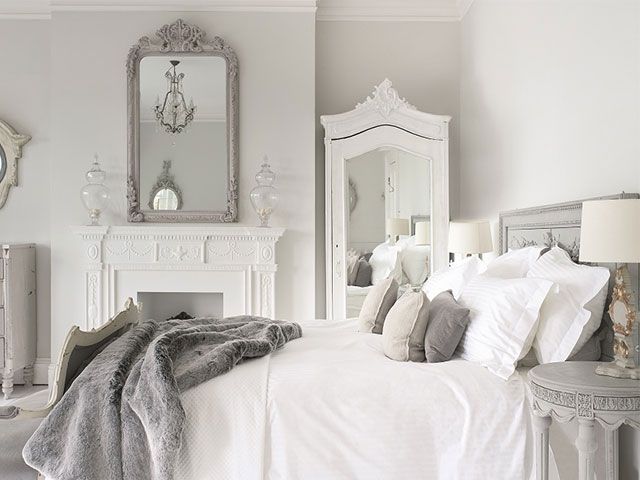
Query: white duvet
331, 406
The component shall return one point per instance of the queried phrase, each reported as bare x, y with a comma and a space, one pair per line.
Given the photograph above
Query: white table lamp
423, 233
470, 237
396, 227
610, 233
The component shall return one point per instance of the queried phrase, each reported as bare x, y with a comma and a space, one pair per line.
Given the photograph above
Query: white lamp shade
423, 233
610, 231
398, 226
470, 237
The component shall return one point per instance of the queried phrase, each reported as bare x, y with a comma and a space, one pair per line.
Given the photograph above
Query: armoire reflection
387, 220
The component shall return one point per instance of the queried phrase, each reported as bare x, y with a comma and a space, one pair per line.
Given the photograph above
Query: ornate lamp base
623, 315
612, 369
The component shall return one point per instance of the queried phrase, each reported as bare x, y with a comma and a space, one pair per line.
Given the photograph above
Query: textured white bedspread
331, 406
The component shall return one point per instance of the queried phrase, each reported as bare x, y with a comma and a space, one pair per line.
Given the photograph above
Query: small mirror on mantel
183, 112
165, 193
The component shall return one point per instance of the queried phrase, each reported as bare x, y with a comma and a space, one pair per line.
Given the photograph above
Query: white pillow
503, 320
454, 277
573, 312
415, 263
385, 263
406, 241
515, 263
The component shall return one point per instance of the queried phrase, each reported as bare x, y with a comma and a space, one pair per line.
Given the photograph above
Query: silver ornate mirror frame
165, 180
180, 37
11, 143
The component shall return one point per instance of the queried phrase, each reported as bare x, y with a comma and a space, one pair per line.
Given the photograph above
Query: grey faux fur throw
122, 417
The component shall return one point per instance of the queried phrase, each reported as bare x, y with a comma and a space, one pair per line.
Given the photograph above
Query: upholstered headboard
559, 225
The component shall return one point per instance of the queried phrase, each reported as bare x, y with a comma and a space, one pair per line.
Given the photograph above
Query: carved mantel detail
240, 258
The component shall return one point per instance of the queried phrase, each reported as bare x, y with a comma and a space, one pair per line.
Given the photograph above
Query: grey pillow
590, 352
447, 322
352, 268
366, 256
376, 305
363, 277
404, 329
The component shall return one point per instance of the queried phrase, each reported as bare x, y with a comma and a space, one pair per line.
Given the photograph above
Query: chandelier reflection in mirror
173, 114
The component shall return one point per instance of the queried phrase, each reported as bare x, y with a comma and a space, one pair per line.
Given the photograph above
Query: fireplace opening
164, 305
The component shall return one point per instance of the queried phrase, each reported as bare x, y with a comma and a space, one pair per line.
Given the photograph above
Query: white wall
550, 112
24, 104
422, 61
549, 103
277, 117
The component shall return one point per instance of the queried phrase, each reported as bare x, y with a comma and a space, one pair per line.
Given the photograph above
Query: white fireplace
164, 305
227, 267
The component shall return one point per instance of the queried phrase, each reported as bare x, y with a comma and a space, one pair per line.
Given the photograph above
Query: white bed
331, 405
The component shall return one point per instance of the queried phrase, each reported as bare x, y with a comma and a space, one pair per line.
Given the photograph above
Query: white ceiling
326, 10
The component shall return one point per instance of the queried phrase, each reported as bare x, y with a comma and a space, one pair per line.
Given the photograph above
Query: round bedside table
569, 390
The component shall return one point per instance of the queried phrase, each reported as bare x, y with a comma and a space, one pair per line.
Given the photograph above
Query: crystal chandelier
173, 114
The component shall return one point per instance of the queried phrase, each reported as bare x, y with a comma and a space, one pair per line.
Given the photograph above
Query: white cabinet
17, 313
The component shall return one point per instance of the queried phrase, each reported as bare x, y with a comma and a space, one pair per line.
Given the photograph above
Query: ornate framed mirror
399, 159
11, 143
183, 109
165, 194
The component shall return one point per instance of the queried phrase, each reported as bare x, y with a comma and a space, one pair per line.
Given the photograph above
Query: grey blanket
122, 417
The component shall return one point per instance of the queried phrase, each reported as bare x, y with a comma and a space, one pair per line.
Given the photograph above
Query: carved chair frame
77, 339
183, 38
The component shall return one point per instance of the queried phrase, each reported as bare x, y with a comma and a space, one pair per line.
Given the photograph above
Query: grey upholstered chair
17, 424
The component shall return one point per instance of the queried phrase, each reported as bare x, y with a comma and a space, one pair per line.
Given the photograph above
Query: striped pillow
515, 263
454, 277
573, 311
503, 320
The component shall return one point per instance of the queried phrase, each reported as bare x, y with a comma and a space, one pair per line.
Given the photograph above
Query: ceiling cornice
25, 9
392, 10
327, 10
463, 7
366, 11
44, 8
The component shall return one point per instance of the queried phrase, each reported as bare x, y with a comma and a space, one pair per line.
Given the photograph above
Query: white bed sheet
331, 406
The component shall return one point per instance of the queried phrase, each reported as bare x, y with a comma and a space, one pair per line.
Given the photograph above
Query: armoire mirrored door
387, 200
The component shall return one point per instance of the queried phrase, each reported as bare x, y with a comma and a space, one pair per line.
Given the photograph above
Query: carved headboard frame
559, 225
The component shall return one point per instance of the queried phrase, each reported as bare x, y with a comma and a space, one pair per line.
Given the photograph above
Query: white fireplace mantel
121, 261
